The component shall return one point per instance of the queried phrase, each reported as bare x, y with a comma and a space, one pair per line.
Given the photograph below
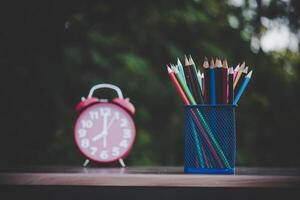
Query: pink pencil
235, 71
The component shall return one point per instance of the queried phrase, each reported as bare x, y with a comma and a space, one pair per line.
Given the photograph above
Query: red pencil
178, 87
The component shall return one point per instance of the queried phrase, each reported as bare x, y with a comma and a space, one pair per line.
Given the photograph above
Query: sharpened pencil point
175, 70
249, 74
169, 69
186, 61
178, 62
212, 65
237, 68
225, 64
242, 66
206, 64
218, 63
191, 61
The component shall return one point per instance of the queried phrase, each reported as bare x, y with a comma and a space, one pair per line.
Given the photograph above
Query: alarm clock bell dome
124, 103
87, 102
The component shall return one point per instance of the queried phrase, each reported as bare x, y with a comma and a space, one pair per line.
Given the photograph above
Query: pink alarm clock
104, 132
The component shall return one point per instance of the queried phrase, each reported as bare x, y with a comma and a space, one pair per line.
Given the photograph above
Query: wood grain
150, 177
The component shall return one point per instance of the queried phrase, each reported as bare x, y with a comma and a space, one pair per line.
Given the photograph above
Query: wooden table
147, 183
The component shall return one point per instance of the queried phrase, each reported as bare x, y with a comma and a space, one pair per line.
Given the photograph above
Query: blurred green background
53, 52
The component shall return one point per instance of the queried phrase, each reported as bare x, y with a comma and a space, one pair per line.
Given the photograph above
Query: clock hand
104, 129
104, 141
111, 121
105, 123
99, 136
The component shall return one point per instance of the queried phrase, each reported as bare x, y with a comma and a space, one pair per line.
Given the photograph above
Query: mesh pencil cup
209, 139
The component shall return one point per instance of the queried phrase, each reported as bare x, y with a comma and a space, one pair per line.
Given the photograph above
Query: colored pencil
236, 70
236, 80
206, 81
244, 73
180, 68
178, 87
219, 81
191, 80
243, 87
212, 78
230, 85
196, 81
184, 87
199, 76
224, 81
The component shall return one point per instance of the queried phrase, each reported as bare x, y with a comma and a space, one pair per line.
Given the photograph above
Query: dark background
53, 52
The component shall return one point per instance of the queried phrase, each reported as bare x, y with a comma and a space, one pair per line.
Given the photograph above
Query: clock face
104, 132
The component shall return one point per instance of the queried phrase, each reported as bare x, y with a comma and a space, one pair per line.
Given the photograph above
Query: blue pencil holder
209, 139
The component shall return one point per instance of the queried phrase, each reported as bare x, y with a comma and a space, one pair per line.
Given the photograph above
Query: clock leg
121, 161
86, 162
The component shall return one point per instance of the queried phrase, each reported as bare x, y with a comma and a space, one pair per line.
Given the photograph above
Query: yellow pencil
236, 80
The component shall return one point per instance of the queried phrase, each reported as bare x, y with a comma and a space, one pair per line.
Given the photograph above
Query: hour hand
97, 137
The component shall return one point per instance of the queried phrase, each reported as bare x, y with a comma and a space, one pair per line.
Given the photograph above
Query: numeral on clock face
86, 123
124, 143
124, 122
94, 115
85, 143
82, 133
115, 151
104, 155
93, 150
126, 133
105, 111
117, 115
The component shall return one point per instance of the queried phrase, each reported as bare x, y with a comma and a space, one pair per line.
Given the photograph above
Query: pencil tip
178, 62
249, 74
225, 64
175, 70
191, 61
169, 69
205, 58
212, 63
243, 66
237, 68
205, 64
186, 61
219, 63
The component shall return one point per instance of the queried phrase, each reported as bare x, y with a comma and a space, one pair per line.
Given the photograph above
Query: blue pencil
212, 75
242, 88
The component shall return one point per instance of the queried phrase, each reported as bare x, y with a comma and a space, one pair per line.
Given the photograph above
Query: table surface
149, 177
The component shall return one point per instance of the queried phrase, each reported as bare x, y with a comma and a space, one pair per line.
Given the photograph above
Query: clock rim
100, 161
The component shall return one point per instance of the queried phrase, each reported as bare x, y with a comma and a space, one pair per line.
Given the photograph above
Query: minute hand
111, 121
105, 123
